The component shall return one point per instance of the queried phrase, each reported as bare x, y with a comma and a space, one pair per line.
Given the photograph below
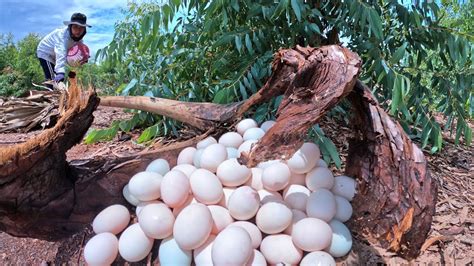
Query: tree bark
322, 78
396, 196
43, 196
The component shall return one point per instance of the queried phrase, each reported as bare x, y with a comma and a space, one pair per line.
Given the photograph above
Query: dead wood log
43, 196
200, 115
322, 78
396, 196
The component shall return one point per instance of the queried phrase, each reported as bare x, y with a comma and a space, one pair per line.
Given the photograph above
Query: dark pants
48, 69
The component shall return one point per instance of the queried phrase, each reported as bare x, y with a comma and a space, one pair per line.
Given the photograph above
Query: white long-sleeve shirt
54, 46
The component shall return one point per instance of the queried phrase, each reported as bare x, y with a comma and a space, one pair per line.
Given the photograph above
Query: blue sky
21, 17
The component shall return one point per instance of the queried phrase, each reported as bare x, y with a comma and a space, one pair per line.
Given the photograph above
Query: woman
52, 49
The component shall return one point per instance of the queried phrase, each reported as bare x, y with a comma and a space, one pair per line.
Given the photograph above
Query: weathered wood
396, 196
36, 189
43, 196
322, 78
200, 115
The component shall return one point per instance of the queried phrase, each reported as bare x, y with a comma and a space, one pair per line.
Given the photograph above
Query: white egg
246, 146
186, 169
253, 133
265, 126
255, 180
112, 219
311, 150
341, 242
322, 163
297, 179
297, 215
257, 259
188, 201
276, 176
311, 234
142, 204
197, 158
296, 196
170, 254
145, 186
156, 220
175, 188
160, 166
321, 204
344, 186
206, 186
253, 231
134, 245
221, 218
232, 174
129, 197
232, 152
206, 142
243, 204
280, 249
101, 249
265, 164
193, 226
319, 177
232, 246
202, 254
186, 156
343, 209
318, 258
227, 193
298, 163
305, 158
245, 124
273, 217
212, 156
231, 139
269, 196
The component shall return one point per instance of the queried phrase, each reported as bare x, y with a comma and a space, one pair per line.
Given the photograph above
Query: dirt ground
450, 241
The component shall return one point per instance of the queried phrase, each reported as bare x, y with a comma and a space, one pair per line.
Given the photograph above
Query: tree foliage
19, 66
221, 51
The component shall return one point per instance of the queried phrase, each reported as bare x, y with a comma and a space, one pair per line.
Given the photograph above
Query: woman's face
77, 30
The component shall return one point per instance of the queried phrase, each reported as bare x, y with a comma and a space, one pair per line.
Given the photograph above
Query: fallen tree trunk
59, 197
396, 196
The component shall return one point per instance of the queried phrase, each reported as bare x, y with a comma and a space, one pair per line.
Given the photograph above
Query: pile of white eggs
210, 210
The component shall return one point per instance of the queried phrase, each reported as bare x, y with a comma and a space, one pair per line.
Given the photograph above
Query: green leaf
224, 39
149, 133
145, 27
282, 6
235, 5
107, 134
238, 43
425, 135
313, 27
467, 135
130, 85
296, 8
332, 150
399, 53
223, 96
176, 3
375, 24
248, 44
396, 94
243, 91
